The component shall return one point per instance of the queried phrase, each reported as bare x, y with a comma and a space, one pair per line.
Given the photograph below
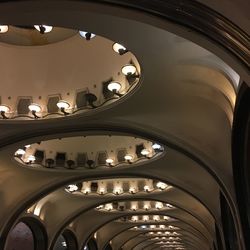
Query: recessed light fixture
4, 28
120, 49
87, 35
3, 110
129, 69
43, 28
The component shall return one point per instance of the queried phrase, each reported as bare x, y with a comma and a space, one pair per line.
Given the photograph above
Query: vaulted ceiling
132, 168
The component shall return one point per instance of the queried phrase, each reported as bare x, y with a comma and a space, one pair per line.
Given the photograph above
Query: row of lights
118, 48
35, 108
117, 190
146, 218
160, 233
145, 152
157, 227
128, 158
134, 206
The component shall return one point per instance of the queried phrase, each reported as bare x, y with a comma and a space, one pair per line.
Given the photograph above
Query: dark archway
228, 225
29, 233
241, 158
91, 245
66, 241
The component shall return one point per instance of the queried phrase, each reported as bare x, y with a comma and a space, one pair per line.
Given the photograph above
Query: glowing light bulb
72, 187
43, 28
87, 35
20, 152
4, 28
158, 205
161, 185
63, 104
156, 146
120, 49
145, 218
129, 69
156, 218
31, 158
146, 188
145, 152
34, 107
4, 108
109, 161
114, 86
86, 190
128, 157
132, 190
134, 218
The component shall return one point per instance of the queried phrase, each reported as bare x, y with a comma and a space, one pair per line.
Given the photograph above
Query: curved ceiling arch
230, 199
111, 237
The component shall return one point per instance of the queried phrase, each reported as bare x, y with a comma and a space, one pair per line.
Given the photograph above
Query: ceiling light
156, 218
86, 190
145, 218
146, 188
145, 152
128, 158
20, 152
43, 28
109, 161
132, 190
109, 207
134, 207
102, 190
117, 190
156, 146
146, 206
152, 226
166, 218
143, 226
114, 87
161, 185
120, 49
128, 69
134, 218
3, 110
34, 108
31, 159
4, 28
158, 205
87, 35
62, 105
72, 187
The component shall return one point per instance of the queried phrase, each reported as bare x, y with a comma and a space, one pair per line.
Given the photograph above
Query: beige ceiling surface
185, 101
